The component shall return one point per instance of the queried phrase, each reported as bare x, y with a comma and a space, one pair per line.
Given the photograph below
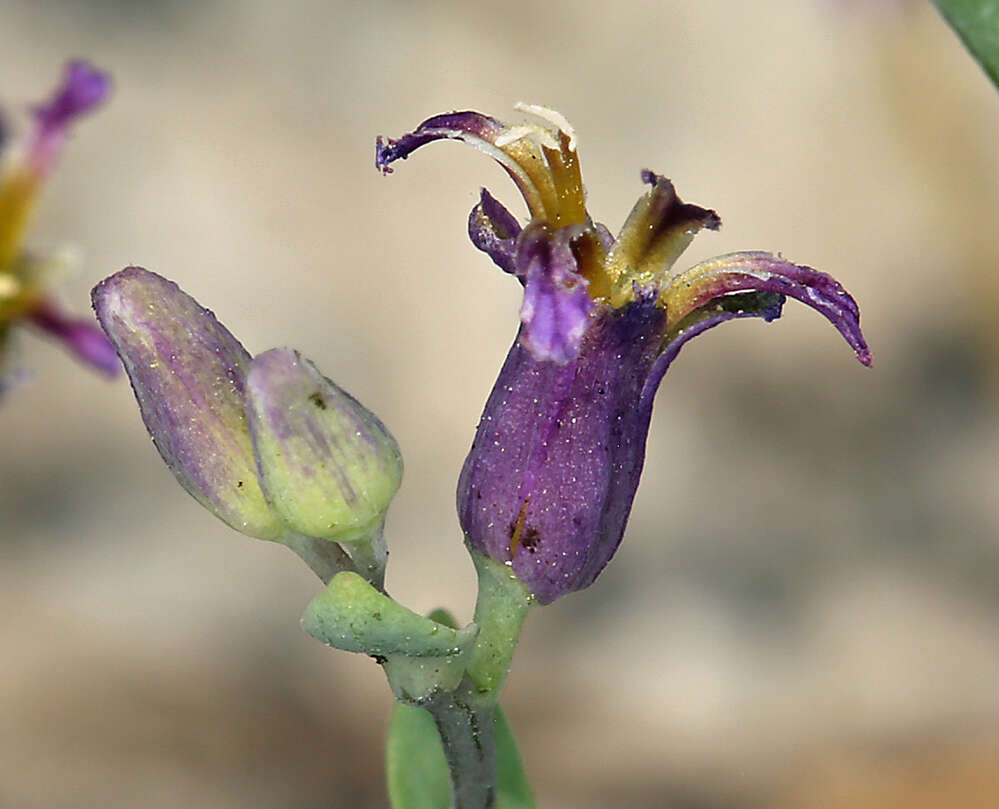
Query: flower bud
328, 466
188, 373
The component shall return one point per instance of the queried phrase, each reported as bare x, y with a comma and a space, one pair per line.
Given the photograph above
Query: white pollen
554, 117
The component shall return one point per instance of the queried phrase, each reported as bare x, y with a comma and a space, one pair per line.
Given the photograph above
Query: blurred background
805, 609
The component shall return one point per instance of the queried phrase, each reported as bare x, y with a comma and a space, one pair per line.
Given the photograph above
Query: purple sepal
552, 473
494, 230
82, 88
80, 336
189, 377
556, 309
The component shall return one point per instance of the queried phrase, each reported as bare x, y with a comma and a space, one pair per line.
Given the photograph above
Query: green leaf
977, 24
414, 761
514, 791
417, 770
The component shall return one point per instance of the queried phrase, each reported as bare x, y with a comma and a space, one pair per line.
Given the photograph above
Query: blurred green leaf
514, 791
977, 24
414, 761
417, 770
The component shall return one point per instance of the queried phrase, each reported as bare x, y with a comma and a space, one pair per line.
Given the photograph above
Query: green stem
325, 558
462, 693
464, 716
370, 557
500, 610
465, 726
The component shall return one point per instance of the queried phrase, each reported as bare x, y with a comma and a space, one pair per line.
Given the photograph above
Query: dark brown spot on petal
517, 530
531, 539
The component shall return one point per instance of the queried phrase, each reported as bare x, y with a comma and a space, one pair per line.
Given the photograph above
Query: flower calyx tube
267, 444
549, 482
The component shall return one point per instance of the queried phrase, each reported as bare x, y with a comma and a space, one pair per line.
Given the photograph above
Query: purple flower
25, 277
548, 484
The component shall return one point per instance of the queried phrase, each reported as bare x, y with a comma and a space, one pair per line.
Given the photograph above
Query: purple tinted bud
189, 377
328, 466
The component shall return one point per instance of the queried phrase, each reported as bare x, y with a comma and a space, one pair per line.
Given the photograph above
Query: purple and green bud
328, 466
25, 279
268, 445
548, 484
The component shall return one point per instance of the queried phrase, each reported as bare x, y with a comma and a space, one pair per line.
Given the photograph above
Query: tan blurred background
805, 610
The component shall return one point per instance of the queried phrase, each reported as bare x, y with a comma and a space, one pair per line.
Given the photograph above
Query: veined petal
658, 229
494, 230
556, 308
761, 271
189, 377
541, 160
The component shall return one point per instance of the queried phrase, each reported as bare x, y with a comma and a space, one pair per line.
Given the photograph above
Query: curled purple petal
494, 230
465, 125
80, 336
189, 377
556, 308
82, 89
531, 165
761, 271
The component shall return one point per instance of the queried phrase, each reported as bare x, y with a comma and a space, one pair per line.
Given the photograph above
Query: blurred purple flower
549, 482
25, 277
